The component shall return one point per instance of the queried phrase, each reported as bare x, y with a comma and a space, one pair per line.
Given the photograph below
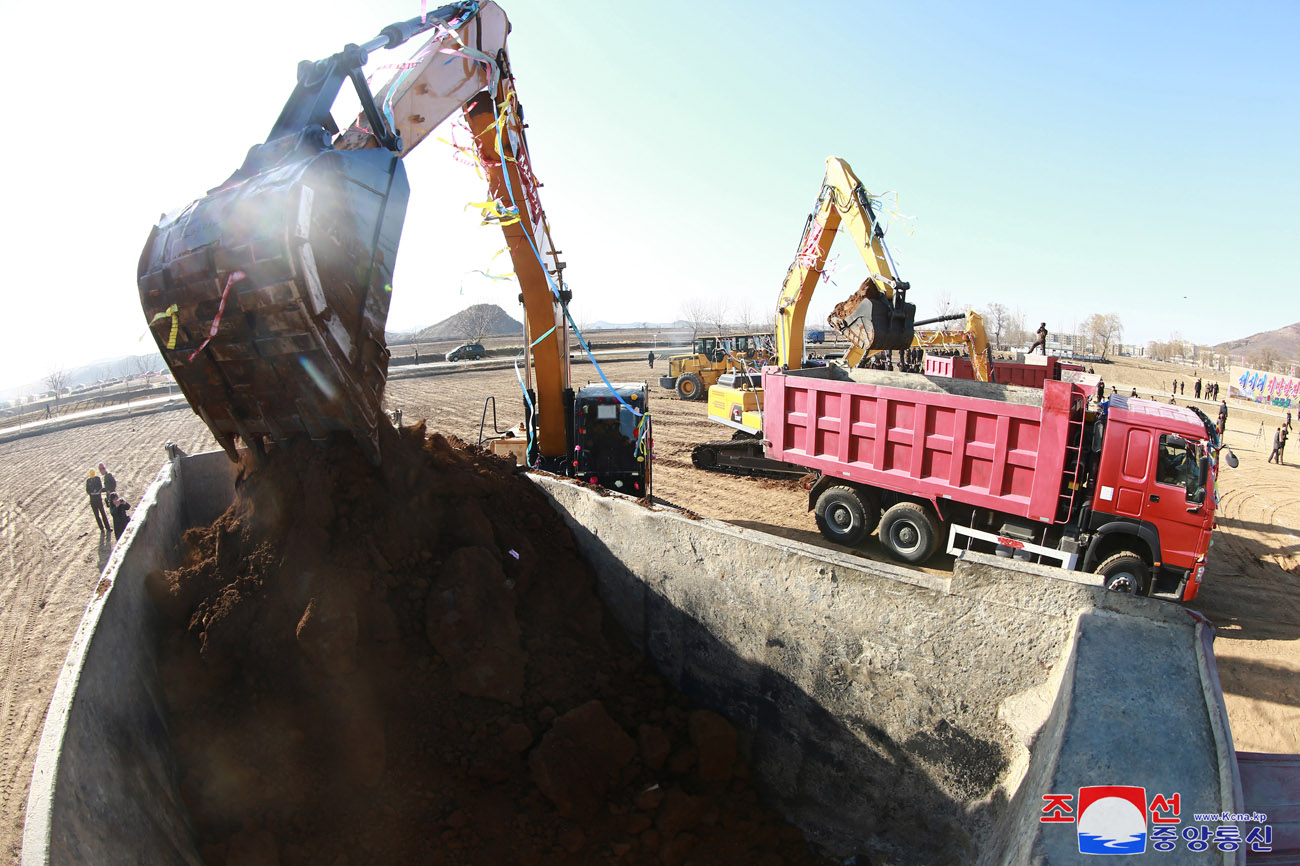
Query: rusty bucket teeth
269, 296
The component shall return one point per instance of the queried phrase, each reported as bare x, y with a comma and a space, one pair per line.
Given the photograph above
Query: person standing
118, 507
1041, 342
1281, 451
1277, 447
1223, 417
109, 482
1196, 389
651, 359
95, 490
1101, 390
1182, 388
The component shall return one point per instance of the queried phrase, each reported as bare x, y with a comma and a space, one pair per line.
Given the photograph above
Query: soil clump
409, 664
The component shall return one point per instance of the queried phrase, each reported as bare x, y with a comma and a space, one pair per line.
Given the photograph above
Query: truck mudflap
268, 297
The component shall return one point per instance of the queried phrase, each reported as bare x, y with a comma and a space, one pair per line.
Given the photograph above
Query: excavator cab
268, 296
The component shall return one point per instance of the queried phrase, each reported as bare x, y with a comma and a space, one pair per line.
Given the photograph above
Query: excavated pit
410, 664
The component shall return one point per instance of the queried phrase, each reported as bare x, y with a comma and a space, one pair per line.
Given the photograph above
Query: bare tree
1104, 332
944, 305
1264, 358
745, 318
695, 312
997, 319
148, 363
717, 316
474, 323
1016, 333
56, 381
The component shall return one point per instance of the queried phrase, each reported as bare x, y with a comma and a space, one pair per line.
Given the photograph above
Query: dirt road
53, 554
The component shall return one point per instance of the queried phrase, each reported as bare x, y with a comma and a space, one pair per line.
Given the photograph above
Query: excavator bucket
268, 297
873, 322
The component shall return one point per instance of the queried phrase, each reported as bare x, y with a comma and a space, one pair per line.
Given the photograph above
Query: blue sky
1134, 158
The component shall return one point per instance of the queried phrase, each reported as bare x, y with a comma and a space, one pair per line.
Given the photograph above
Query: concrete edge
38, 825
1233, 796
965, 580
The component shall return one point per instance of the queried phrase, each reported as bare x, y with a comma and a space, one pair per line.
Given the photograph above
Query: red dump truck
1126, 491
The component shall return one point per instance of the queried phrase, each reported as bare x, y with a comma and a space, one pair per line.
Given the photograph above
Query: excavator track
742, 456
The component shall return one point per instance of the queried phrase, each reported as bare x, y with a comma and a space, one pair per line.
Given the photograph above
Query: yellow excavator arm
887, 321
973, 338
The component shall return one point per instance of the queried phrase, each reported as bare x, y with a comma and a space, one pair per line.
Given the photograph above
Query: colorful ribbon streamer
176, 324
235, 276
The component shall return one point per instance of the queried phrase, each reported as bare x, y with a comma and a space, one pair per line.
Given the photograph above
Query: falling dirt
410, 665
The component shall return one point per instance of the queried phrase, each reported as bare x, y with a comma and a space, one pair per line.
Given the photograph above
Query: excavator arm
268, 297
973, 338
886, 323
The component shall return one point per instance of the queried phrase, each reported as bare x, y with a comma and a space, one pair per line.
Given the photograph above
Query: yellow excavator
876, 318
268, 296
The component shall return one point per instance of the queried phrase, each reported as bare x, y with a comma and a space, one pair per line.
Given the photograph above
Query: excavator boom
887, 321
268, 297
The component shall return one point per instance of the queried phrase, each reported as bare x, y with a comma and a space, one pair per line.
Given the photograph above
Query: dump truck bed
994, 446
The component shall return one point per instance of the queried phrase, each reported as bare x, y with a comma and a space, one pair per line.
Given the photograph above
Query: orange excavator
268, 297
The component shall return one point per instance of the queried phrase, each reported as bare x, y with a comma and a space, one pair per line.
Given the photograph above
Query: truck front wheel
845, 515
909, 533
1124, 572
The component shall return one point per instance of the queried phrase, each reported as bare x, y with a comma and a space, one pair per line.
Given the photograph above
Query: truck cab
1152, 497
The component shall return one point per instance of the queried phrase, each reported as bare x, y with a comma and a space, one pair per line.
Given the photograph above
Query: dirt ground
53, 553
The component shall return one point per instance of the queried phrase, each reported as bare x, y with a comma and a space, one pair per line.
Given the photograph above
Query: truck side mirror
1197, 497
1230, 459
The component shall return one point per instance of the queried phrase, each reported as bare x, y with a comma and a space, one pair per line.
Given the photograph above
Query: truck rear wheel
689, 386
1124, 572
845, 515
909, 533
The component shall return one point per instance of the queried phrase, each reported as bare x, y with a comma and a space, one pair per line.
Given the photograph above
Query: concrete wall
885, 710
104, 789
891, 711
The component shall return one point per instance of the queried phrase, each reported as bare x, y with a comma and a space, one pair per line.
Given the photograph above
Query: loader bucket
289, 273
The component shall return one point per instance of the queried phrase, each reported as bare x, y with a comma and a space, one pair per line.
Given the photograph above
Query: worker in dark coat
1041, 342
1276, 453
1101, 389
651, 359
95, 490
1223, 417
109, 482
118, 507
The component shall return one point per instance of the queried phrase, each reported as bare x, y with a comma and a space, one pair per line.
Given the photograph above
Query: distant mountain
93, 373
1284, 342
489, 320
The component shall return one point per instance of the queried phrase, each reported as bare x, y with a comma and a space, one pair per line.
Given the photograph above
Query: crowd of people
1210, 390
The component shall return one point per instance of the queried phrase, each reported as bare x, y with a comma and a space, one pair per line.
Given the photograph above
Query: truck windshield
1176, 463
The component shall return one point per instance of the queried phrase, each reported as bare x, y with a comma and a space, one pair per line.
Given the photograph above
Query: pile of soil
409, 664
